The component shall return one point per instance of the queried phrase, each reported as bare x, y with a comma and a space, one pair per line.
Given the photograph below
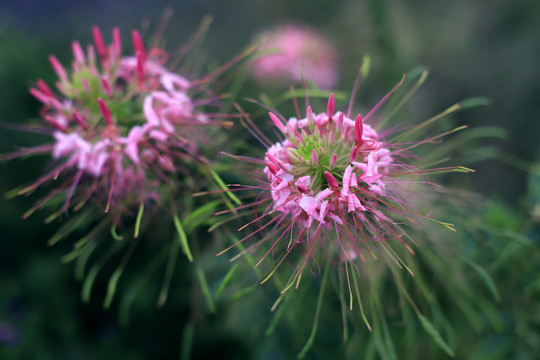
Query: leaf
138, 221
228, 277
311, 338
200, 215
432, 331
275, 320
224, 187
169, 269
204, 286
187, 341
182, 237
366, 65
486, 278
113, 281
474, 102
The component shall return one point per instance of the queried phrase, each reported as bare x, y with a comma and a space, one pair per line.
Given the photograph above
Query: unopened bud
333, 161
331, 106
331, 180
314, 158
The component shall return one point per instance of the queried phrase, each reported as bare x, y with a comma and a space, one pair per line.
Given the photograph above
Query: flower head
338, 188
120, 124
293, 53
129, 142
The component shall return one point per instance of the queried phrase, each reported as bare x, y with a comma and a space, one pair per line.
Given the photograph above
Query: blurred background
481, 48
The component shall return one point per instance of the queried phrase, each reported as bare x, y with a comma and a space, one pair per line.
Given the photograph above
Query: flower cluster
118, 120
332, 170
294, 53
337, 187
303, 170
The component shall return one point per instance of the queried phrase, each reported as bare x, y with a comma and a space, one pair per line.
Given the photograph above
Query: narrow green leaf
486, 278
275, 320
204, 286
182, 237
311, 338
113, 281
138, 221
111, 287
432, 331
474, 102
114, 233
70, 226
89, 282
187, 341
357, 290
200, 215
224, 187
244, 292
82, 259
344, 309
228, 277
171, 263
366, 65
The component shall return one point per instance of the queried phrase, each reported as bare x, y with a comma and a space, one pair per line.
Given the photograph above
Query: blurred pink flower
293, 53
118, 120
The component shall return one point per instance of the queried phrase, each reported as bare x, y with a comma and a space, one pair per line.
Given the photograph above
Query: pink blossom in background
292, 53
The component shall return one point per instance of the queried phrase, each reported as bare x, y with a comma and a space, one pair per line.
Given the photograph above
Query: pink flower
118, 120
292, 53
338, 188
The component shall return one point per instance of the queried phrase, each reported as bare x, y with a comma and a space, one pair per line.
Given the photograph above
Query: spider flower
341, 192
121, 125
338, 188
129, 142
292, 53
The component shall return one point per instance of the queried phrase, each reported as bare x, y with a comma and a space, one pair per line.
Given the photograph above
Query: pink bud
55, 123
333, 161
117, 41
137, 42
358, 130
100, 44
291, 130
273, 168
39, 95
46, 99
331, 106
91, 54
314, 158
58, 68
331, 137
302, 188
331, 180
354, 154
106, 85
78, 52
309, 113
79, 119
44, 88
339, 122
274, 161
277, 122
140, 54
105, 111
